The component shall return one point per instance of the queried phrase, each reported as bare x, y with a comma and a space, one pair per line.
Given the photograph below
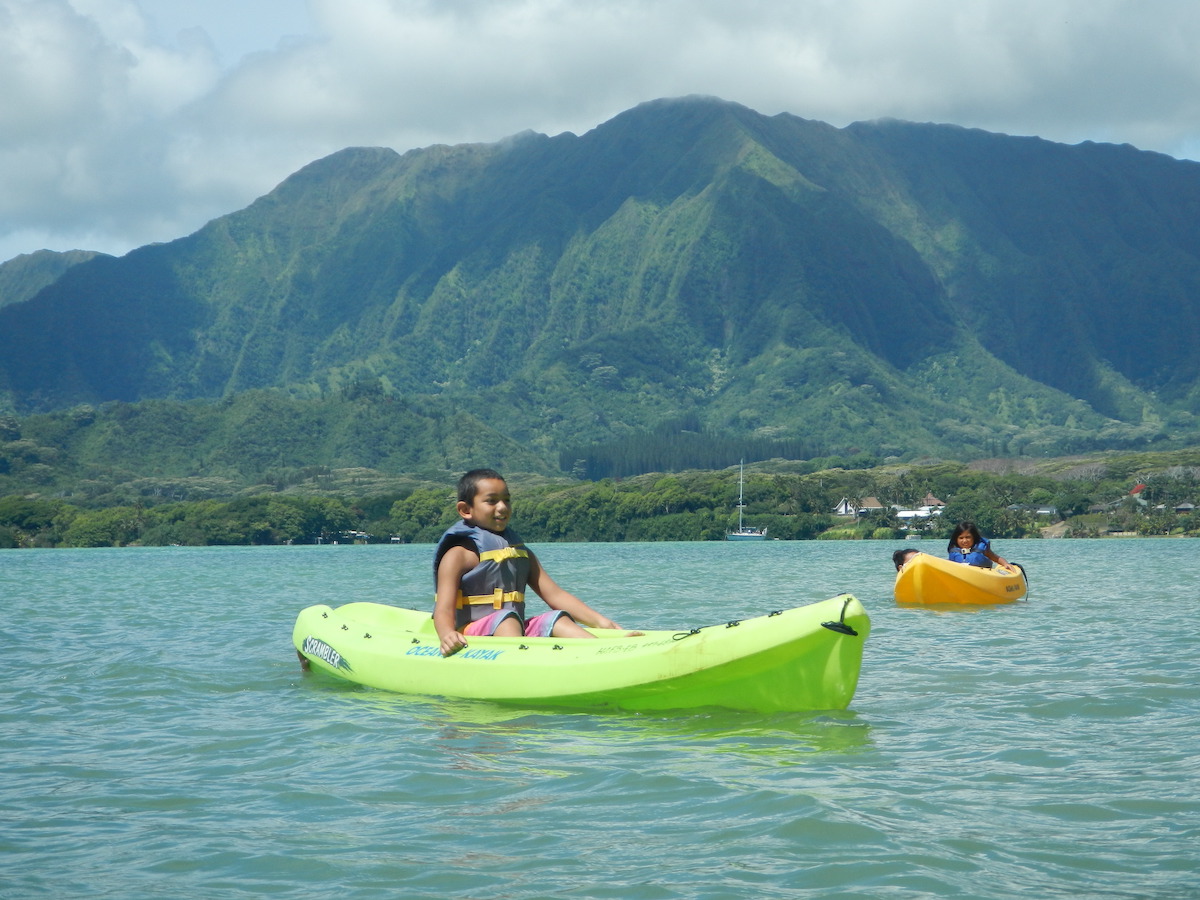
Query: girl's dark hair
898, 556
964, 528
469, 483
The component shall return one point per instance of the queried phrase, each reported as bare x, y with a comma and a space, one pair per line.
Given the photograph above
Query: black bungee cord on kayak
839, 626
680, 635
1024, 575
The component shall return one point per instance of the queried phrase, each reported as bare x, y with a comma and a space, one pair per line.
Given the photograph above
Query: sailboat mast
741, 483
743, 533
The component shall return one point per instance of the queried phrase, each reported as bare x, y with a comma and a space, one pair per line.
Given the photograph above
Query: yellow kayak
929, 579
806, 658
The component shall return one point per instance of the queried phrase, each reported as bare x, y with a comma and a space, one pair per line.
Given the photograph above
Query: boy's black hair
468, 485
898, 556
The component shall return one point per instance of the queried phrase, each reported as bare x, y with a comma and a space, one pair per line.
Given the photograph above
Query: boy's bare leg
510, 627
568, 628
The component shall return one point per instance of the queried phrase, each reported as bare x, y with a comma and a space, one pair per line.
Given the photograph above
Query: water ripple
160, 740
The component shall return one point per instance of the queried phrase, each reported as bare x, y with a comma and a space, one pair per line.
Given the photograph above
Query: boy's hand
452, 642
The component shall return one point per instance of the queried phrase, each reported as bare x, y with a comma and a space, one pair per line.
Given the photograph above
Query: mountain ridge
886, 287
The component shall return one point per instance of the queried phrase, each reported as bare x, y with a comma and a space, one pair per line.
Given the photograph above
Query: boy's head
468, 485
900, 557
483, 499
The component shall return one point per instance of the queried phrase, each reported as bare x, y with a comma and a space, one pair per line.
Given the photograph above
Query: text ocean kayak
806, 658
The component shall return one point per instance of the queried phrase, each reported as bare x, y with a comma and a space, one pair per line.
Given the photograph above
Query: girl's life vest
498, 582
973, 557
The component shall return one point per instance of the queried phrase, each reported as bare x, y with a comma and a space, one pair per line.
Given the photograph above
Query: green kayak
807, 658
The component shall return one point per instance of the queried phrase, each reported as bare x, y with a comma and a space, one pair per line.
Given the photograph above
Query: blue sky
124, 122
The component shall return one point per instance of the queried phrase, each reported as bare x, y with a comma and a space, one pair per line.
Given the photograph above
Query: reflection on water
715, 734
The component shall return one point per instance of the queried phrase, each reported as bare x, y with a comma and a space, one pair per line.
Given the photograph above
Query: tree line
1118, 495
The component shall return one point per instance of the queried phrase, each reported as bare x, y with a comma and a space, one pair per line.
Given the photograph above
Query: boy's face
491, 507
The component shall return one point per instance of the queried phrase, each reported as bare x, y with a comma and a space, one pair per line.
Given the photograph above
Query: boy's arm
456, 562
559, 598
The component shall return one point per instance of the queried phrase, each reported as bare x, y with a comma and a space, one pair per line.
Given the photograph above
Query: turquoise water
159, 739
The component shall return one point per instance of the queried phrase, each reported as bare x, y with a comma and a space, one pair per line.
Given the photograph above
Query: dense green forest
615, 319
1144, 493
555, 304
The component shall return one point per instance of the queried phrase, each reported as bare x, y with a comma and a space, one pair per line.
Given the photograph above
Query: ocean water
160, 740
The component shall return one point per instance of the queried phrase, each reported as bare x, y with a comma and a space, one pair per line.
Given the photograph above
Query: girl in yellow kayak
968, 546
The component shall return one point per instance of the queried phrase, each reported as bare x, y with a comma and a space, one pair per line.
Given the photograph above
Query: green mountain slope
24, 276
886, 288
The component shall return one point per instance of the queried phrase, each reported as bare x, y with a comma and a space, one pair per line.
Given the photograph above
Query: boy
482, 568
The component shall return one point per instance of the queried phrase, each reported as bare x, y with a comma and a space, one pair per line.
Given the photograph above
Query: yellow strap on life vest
504, 553
497, 598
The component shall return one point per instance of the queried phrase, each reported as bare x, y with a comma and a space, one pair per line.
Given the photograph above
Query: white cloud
128, 121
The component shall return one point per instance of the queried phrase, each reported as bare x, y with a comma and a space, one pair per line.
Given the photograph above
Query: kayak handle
840, 625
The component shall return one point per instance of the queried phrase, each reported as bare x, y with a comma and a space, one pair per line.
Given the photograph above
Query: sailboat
744, 532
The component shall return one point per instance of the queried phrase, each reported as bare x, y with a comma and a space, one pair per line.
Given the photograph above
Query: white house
844, 508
